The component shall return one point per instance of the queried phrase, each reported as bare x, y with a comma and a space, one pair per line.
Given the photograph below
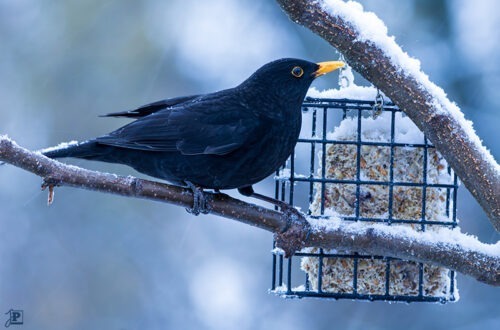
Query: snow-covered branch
362, 38
447, 248
55, 174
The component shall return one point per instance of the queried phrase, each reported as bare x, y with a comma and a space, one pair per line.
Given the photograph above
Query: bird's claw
199, 200
294, 235
291, 214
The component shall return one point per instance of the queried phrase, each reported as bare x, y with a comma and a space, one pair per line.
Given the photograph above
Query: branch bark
461, 147
292, 231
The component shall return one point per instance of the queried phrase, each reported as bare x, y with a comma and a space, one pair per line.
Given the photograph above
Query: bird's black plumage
229, 139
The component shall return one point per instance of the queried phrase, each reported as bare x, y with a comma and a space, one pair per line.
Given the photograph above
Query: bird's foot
199, 200
295, 233
296, 229
291, 213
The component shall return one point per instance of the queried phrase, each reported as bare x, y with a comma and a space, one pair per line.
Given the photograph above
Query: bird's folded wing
152, 107
188, 131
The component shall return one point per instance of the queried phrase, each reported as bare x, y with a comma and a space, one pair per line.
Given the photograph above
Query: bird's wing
202, 127
152, 107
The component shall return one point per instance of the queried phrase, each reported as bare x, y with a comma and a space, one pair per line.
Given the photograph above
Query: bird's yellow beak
325, 67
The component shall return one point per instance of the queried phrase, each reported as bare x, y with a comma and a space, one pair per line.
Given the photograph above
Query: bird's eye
297, 71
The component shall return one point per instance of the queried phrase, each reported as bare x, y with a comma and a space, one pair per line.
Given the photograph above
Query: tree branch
381, 61
460, 252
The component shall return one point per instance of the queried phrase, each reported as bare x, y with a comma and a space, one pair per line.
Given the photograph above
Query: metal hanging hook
344, 76
378, 106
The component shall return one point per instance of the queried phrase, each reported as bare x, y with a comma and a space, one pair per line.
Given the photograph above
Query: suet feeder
364, 160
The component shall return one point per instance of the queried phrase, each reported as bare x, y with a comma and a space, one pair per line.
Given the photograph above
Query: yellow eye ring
297, 71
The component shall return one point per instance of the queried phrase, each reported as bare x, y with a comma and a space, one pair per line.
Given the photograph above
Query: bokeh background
97, 261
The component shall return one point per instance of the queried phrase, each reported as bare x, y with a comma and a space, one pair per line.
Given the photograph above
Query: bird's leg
288, 210
296, 229
199, 201
249, 192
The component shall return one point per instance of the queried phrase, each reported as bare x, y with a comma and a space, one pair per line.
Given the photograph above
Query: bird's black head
288, 78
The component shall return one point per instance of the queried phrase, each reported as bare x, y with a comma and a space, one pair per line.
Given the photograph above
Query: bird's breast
271, 148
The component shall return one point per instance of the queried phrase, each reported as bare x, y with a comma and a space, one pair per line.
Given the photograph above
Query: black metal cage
390, 179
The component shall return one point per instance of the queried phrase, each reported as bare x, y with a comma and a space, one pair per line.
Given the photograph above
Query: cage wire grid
302, 180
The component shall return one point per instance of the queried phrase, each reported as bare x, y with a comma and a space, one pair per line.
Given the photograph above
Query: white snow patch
378, 129
371, 29
63, 145
285, 174
299, 288
443, 236
282, 289
350, 92
278, 251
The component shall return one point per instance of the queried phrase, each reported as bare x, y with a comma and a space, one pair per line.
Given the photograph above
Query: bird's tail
86, 150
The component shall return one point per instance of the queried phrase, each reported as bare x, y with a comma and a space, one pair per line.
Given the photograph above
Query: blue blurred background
97, 261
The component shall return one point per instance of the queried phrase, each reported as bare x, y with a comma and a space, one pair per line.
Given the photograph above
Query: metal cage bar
324, 114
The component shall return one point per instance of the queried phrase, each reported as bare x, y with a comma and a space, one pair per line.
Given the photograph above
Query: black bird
229, 139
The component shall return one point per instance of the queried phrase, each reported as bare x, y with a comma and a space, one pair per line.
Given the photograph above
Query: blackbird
229, 139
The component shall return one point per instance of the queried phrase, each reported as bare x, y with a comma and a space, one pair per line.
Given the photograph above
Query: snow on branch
448, 248
445, 245
363, 40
